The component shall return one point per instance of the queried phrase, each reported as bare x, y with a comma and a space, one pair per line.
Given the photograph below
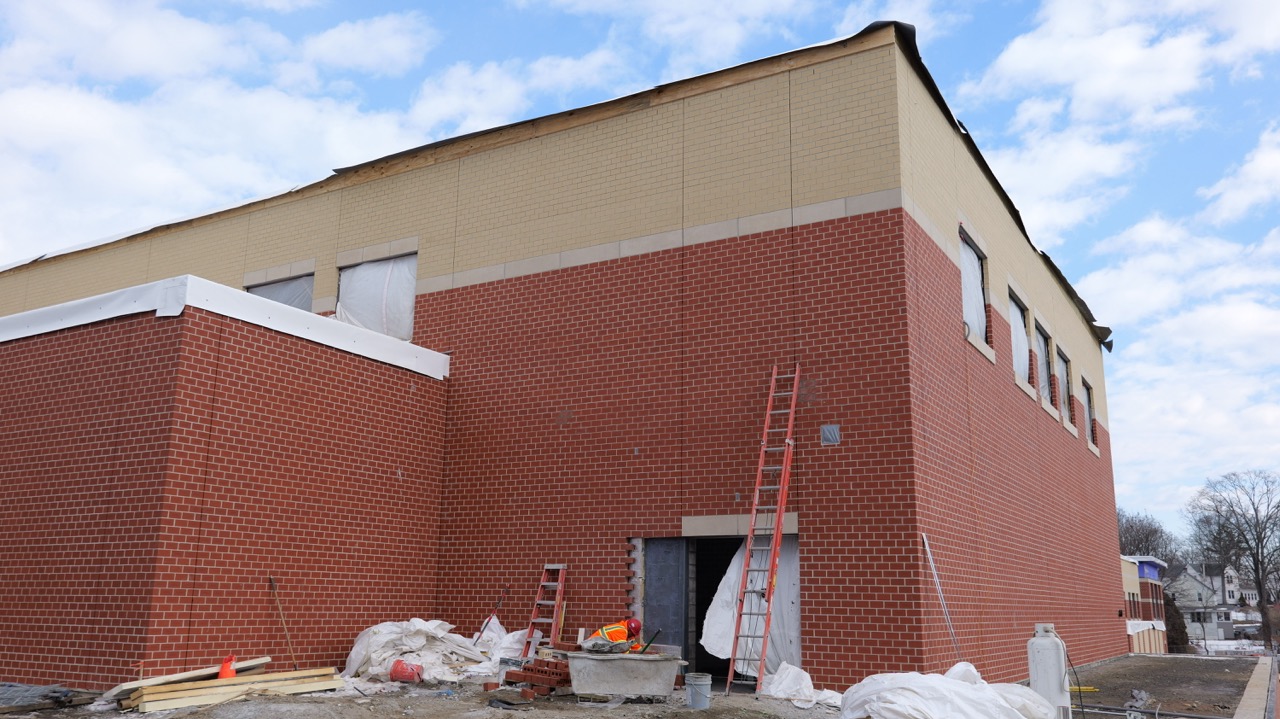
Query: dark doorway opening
710, 560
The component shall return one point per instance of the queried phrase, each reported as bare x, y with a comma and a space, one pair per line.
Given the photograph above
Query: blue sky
1139, 138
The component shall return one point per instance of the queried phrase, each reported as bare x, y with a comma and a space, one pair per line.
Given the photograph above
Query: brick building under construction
552, 342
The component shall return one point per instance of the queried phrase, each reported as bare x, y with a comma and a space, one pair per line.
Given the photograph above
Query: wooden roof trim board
168, 298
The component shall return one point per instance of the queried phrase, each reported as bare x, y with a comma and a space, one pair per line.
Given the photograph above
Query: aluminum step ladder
549, 599
764, 533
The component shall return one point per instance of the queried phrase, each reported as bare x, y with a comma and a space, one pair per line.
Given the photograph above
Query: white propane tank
1047, 661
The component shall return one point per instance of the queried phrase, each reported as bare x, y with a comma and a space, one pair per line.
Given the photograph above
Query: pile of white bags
959, 694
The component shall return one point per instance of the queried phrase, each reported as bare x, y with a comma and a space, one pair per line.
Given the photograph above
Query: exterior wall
1015, 506
944, 187
158, 470
1149, 641
613, 294
85, 415
694, 155
595, 404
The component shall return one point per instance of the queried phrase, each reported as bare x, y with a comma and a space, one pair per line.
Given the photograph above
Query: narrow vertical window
1043, 365
973, 285
1064, 386
1018, 331
1088, 413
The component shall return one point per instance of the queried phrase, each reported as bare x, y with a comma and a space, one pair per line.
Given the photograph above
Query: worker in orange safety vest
615, 638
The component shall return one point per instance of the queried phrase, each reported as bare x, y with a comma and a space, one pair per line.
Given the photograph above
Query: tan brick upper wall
943, 186
785, 132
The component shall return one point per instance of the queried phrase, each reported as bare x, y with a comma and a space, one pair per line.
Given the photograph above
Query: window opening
295, 292
379, 295
1088, 413
1064, 387
1018, 330
973, 284
1042, 365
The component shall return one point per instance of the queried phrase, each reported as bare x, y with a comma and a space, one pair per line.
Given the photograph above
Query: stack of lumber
215, 691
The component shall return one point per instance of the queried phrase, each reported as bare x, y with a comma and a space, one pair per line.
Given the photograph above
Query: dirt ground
1210, 686
463, 701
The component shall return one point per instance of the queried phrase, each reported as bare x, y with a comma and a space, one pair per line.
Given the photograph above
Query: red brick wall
603, 402
84, 427
597, 403
193, 458
1020, 513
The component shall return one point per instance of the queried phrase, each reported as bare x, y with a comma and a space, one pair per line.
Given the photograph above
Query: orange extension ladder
760, 564
552, 583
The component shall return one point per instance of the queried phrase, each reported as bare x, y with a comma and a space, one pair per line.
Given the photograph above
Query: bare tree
1143, 535
1247, 505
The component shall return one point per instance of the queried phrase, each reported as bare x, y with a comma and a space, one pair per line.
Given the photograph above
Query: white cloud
700, 36
281, 6
385, 45
931, 22
1114, 63
1084, 167
82, 39
1191, 389
1254, 184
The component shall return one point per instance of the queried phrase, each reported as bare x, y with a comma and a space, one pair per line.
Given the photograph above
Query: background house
612, 286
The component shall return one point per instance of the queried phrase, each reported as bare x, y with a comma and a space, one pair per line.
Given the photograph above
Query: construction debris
27, 697
543, 676
247, 666
217, 691
416, 643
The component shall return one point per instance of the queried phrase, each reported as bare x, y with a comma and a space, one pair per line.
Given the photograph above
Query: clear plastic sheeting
427, 644
1134, 626
784, 626
796, 686
379, 295
294, 292
959, 694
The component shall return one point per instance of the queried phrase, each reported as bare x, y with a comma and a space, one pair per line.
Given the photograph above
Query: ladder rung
772, 468
766, 508
775, 449
546, 620
777, 429
757, 570
554, 566
546, 603
754, 614
783, 394
750, 636
770, 487
761, 549
551, 584
780, 411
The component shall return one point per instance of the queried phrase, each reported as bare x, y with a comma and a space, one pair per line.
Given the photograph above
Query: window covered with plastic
1021, 350
295, 292
379, 295
974, 292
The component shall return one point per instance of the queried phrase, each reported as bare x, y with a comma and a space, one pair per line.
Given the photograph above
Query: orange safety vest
616, 632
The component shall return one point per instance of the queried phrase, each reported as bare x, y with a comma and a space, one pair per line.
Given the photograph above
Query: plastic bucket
697, 689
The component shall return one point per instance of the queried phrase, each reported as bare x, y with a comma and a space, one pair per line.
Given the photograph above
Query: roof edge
170, 297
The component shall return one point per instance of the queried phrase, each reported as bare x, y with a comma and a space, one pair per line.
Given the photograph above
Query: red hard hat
633, 627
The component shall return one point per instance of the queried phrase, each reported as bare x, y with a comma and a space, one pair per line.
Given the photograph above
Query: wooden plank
237, 694
247, 679
182, 676
137, 699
